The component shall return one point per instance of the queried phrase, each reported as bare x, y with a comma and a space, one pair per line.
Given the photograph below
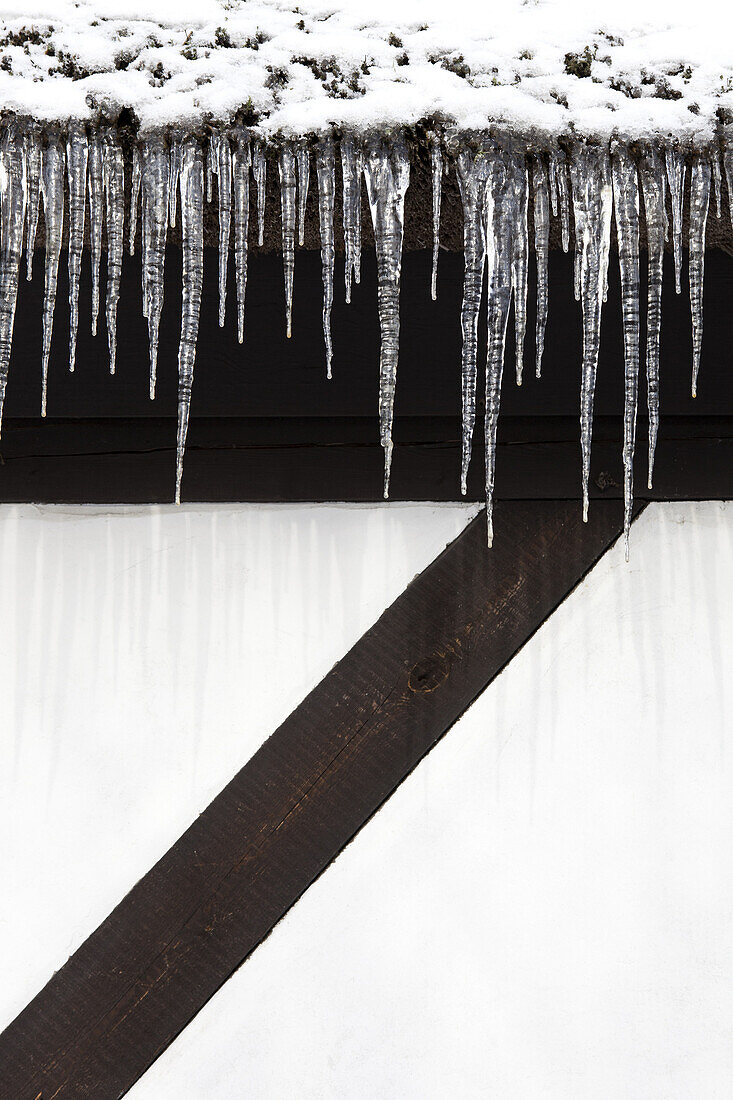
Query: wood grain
196, 916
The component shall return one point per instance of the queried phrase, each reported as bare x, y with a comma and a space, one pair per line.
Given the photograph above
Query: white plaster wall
145, 654
545, 908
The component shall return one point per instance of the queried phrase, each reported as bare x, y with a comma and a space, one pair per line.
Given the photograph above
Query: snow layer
545, 69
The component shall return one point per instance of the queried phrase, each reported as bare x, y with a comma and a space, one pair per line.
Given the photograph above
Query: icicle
728, 166
134, 197
326, 171
717, 180
33, 182
192, 232
52, 190
541, 247
520, 263
175, 173
259, 171
76, 168
699, 203
223, 168
505, 220
561, 194
626, 202
210, 169
653, 185
114, 193
96, 200
304, 171
13, 205
286, 165
387, 174
351, 170
436, 163
590, 174
155, 174
676, 178
240, 171
471, 173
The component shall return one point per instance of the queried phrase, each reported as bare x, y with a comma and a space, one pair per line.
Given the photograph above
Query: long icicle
52, 191
114, 195
542, 251
676, 179
590, 173
191, 182
436, 165
654, 191
326, 172
240, 176
506, 198
134, 197
259, 171
155, 176
351, 172
223, 166
13, 207
175, 173
699, 204
472, 175
96, 205
303, 159
77, 153
387, 174
560, 194
33, 184
286, 166
520, 262
626, 205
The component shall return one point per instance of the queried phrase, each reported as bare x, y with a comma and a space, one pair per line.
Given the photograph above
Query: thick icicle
472, 174
155, 174
77, 154
351, 171
626, 204
134, 197
12, 206
191, 183
387, 174
33, 184
676, 178
506, 200
114, 194
52, 190
175, 173
286, 165
699, 204
303, 158
240, 173
96, 202
223, 168
520, 262
436, 164
259, 171
653, 186
590, 174
542, 251
326, 171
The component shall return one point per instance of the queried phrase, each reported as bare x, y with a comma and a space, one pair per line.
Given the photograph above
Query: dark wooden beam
193, 919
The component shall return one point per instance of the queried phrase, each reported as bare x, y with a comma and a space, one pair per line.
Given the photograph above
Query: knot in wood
428, 674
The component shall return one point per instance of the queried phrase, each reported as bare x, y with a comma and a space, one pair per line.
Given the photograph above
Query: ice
304, 170
223, 168
175, 172
134, 197
32, 140
351, 172
654, 190
699, 203
114, 193
12, 206
155, 180
560, 191
520, 262
77, 155
259, 171
676, 177
96, 208
326, 171
387, 174
541, 212
288, 187
240, 176
53, 167
191, 183
626, 204
436, 164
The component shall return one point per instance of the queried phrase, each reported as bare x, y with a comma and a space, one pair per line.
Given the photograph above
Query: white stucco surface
545, 907
145, 654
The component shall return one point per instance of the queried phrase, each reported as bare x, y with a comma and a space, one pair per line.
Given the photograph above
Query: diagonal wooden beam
206, 905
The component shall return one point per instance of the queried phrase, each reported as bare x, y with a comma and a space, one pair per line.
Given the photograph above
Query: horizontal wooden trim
192, 920
317, 459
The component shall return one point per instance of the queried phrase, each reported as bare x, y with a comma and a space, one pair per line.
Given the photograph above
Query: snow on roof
543, 69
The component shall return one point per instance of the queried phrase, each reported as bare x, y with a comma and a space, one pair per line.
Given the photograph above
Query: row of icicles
495, 184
